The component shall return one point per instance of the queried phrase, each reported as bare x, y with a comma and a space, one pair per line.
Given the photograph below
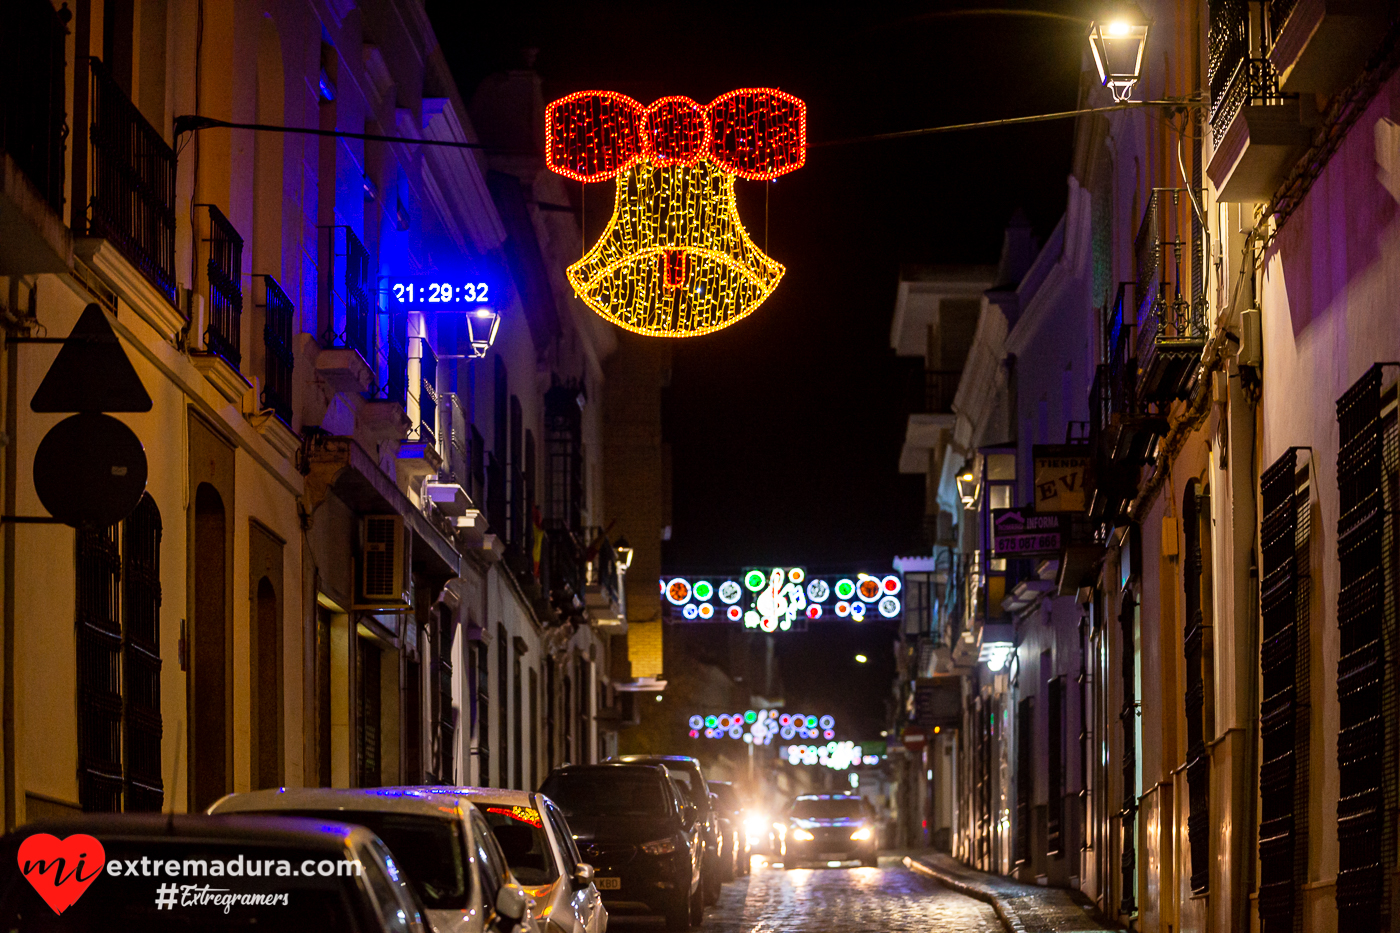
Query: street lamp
482, 324
861, 659
624, 553
1118, 41
967, 486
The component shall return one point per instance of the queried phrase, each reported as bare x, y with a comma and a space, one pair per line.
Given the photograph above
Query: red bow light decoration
675, 259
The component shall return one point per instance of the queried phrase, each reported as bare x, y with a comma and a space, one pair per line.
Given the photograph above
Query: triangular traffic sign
91, 372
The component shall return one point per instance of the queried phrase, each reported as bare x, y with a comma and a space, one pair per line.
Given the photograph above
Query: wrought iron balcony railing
456, 444
426, 429
1235, 79
279, 361
33, 124
1278, 15
223, 271
130, 182
1171, 327
347, 313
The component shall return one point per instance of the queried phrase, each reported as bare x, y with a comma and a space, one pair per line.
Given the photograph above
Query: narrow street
889, 899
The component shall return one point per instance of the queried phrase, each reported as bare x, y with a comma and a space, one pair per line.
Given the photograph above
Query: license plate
608, 884
834, 857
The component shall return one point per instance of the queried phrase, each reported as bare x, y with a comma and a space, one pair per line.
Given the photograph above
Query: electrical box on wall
1251, 353
384, 563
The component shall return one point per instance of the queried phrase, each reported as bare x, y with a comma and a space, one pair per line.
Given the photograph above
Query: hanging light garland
675, 259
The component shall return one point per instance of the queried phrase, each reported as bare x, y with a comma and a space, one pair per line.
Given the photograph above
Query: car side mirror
583, 875
689, 814
512, 902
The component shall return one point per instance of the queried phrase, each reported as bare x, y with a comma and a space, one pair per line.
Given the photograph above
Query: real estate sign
1025, 533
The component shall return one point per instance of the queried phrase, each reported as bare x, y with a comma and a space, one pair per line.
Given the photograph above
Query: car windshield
607, 792
428, 849
833, 808
194, 896
520, 833
682, 776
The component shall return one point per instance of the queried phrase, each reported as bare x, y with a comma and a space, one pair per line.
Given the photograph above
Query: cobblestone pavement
888, 899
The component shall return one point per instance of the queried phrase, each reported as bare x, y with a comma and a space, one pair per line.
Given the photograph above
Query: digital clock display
421, 291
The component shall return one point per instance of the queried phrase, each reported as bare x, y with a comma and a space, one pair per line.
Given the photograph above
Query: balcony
1257, 130
929, 395
124, 183
931, 391
1319, 46
33, 128
1170, 328
223, 322
343, 294
279, 361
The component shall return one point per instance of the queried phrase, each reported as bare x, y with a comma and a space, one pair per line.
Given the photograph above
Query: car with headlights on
735, 847
167, 873
828, 828
686, 772
539, 848
442, 842
643, 841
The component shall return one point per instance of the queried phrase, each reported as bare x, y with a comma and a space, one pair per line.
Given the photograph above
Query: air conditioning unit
384, 563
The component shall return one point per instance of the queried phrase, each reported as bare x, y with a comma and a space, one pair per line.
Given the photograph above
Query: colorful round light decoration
750, 716
797, 575
869, 589
889, 607
891, 585
755, 580
845, 589
843, 609
695, 733
707, 611
729, 592
697, 721
827, 722
734, 613
818, 591
690, 610
736, 732
703, 590
858, 611
711, 721
814, 611
678, 592
829, 734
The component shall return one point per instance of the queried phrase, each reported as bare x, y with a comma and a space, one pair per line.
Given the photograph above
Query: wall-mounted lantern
1118, 41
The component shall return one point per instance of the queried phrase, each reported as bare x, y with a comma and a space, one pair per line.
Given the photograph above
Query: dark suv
642, 839
686, 773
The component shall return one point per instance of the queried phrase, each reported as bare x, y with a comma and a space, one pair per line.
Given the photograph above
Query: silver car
542, 855
442, 842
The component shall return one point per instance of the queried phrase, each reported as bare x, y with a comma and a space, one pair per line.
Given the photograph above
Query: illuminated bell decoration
675, 259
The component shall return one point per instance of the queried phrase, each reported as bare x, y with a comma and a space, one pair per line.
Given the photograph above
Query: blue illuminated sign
439, 290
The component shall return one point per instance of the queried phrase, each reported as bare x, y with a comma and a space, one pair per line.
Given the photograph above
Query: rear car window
428, 849
128, 904
607, 792
728, 800
519, 831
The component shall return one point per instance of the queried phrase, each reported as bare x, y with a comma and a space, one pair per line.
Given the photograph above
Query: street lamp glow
1118, 43
861, 659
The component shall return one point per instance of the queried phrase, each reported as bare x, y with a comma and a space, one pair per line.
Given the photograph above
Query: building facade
370, 550
1184, 708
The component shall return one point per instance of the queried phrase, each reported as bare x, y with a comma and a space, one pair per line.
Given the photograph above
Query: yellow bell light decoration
675, 259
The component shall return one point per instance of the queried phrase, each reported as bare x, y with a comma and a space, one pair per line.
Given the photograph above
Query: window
518, 520
367, 723
1285, 493
1055, 815
1025, 777
563, 495
567, 848
503, 692
518, 727
490, 865
118, 663
323, 695
444, 738
534, 729
481, 665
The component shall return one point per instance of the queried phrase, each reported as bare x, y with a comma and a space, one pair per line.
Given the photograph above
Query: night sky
786, 427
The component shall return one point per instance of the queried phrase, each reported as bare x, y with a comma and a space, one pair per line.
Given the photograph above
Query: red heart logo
61, 869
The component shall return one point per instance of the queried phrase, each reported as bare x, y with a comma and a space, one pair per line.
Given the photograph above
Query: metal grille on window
141, 533
1195, 511
482, 667
1366, 742
1025, 777
99, 643
444, 715
223, 272
1283, 703
278, 359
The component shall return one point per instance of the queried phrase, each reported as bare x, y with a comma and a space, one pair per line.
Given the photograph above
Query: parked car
686, 772
731, 817
446, 848
826, 828
644, 842
540, 850
154, 867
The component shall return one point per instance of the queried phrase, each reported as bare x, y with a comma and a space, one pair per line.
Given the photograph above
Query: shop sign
1025, 533
938, 701
1060, 470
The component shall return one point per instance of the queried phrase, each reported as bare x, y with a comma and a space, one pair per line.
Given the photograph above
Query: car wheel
709, 884
726, 863
678, 911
